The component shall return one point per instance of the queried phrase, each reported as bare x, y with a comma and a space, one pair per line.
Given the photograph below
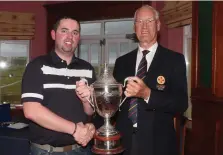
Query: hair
156, 13
55, 26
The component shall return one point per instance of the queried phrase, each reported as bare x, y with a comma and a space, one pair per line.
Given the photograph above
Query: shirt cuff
147, 100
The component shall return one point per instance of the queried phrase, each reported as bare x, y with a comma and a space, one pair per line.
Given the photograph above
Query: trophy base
107, 144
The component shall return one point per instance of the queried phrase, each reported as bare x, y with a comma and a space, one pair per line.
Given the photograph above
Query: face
146, 26
67, 36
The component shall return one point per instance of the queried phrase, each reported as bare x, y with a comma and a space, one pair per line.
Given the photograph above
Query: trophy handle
125, 81
90, 101
121, 102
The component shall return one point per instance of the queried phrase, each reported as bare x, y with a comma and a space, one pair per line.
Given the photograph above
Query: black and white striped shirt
50, 81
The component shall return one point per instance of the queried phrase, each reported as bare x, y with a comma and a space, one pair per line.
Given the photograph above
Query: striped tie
141, 72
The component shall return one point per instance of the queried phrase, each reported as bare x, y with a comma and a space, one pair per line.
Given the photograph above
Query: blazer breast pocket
159, 82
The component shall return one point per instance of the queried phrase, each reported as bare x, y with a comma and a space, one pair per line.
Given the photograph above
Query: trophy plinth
107, 145
107, 140
106, 96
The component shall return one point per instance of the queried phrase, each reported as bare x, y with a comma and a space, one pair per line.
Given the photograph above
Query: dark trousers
134, 148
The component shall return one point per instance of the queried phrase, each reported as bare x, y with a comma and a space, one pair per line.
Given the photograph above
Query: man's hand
84, 133
137, 88
91, 129
82, 91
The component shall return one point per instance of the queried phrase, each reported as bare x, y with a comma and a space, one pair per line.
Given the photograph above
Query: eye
151, 20
75, 33
64, 31
139, 21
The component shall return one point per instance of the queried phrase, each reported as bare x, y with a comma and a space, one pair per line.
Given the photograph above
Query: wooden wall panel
205, 12
207, 126
194, 55
217, 50
204, 117
207, 112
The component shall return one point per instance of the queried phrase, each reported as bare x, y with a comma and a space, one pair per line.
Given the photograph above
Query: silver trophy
105, 98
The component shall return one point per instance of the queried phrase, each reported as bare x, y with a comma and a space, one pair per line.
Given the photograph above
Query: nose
69, 35
144, 25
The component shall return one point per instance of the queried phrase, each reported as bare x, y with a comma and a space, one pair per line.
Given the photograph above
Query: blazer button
154, 109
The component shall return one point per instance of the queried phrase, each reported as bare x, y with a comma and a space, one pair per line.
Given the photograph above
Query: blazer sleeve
117, 72
175, 100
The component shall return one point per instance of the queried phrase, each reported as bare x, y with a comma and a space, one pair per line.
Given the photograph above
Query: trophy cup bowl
105, 98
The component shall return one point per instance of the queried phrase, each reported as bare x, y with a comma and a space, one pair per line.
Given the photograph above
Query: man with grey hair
156, 90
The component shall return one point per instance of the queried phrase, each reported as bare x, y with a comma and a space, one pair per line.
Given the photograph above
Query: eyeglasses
147, 21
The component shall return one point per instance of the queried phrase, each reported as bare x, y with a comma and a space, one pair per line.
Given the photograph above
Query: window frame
108, 38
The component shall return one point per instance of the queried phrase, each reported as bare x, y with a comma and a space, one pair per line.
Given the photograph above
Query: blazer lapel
132, 63
155, 62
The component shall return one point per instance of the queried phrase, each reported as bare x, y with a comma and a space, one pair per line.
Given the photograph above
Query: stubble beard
65, 50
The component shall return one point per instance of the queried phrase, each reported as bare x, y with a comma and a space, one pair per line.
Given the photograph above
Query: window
91, 29
13, 60
91, 52
187, 53
119, 27
104, 41
116, 48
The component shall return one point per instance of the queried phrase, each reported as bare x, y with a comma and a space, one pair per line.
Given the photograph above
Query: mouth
145, 34
68, 43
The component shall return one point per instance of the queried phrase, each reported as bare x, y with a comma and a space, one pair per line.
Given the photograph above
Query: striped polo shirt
50, 81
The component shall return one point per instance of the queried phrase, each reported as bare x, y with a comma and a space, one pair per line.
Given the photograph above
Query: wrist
147, 94
85, 101
75, 129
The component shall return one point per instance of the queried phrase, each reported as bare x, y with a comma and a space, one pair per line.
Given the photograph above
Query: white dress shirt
149, 58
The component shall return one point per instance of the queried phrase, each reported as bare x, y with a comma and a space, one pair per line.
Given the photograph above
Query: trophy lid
105, 78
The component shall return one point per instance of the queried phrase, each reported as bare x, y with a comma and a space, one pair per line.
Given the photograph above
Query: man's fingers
127, 94
85, 133
81, 83
136, 79
132, 90
81, 124
83, 95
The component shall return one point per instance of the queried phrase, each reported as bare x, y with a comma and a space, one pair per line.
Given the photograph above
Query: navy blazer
166, 78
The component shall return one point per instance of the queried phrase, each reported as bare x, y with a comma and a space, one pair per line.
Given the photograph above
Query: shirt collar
56, 59
152, 49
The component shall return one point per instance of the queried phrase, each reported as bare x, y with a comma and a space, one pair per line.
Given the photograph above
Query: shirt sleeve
32, 83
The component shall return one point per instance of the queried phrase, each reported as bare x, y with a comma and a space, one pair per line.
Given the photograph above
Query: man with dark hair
55, 26
156, 90
57, 101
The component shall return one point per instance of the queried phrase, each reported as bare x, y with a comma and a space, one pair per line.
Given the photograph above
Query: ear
53, 34
134, 28
158, 24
